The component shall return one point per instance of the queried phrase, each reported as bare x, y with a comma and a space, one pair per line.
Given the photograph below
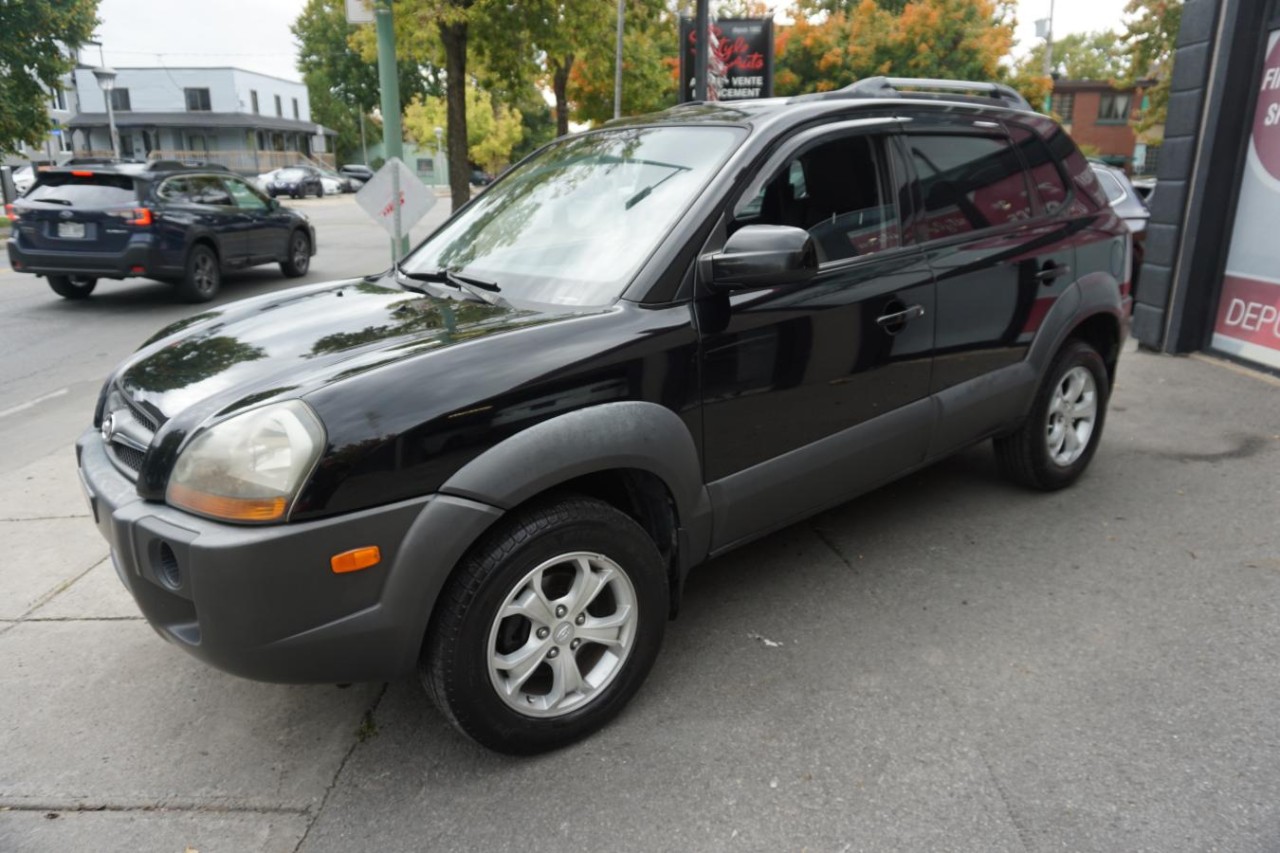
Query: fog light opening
167, 567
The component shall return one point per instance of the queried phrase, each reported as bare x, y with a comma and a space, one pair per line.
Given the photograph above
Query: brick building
1099, 118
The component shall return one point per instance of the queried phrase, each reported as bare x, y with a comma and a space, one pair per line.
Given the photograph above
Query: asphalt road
951, 663
57, 352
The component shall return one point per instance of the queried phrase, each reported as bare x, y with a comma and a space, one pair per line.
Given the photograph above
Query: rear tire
548, 627
298, 257
1055, 444
72, 286
203, 278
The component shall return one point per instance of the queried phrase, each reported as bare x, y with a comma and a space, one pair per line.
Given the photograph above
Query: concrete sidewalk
948, 664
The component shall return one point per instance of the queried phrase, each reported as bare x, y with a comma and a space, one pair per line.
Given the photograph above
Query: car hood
294, 341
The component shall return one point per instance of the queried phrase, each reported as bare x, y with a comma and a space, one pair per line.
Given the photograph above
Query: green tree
341, 84
493, 130
649, 65
1151, 34
561, 31
1082, 56
38, 42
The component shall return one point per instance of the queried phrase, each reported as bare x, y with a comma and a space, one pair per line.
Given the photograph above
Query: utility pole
701, 41
1048, 56
617, 64
389, 83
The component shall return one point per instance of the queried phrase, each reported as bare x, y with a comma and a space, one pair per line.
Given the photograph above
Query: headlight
248, 467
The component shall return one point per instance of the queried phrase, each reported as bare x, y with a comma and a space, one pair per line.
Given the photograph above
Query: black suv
641, 347
162, 220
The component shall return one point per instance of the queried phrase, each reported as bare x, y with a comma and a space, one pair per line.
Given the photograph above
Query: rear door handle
895, 321
1049, 273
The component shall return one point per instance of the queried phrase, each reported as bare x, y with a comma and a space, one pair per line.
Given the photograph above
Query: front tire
1055, 444
298, 260
203, 278
548, 628
72, 286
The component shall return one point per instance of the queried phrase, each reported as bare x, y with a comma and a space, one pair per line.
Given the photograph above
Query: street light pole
107, 82
701, 43
389, 83
617, 64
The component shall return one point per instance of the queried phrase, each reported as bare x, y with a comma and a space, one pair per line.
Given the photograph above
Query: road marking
30, 404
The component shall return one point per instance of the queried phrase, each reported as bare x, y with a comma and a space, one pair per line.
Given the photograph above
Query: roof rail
174, 165
971, 91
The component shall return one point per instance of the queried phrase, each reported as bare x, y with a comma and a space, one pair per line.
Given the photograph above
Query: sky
254, 34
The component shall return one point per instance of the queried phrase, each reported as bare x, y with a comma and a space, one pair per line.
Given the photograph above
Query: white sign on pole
359, 12
395, 198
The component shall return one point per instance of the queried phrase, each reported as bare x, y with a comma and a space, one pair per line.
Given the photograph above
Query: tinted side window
835, 191
175, 189
1045, 176
244, 195
968, 183
206, 189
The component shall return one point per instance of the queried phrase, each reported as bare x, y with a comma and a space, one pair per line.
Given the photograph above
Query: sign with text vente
740, 62
395, 198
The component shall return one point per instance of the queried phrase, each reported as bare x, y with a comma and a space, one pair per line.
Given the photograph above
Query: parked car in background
1128, 202
357, 172
480, 178
296, 182
334, 183
161, 220
494, 464
23, 178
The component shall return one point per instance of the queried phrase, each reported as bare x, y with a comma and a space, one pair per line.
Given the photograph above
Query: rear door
999, 255
816, 392
80, 212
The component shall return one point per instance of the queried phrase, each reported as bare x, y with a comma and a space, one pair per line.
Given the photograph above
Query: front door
264, 237
814, 393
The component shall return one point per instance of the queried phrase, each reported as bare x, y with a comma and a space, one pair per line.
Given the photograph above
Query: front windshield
574, 224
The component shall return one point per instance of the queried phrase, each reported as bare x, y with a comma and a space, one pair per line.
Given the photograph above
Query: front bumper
263, 602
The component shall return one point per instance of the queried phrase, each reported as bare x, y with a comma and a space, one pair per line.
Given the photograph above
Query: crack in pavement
44, 518
230, 807
356, 741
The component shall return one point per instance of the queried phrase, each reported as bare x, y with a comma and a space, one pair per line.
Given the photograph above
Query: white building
247, 121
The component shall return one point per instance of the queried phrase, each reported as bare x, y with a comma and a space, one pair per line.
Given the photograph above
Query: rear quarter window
84, 191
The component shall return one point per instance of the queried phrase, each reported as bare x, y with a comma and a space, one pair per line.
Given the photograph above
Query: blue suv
163, 220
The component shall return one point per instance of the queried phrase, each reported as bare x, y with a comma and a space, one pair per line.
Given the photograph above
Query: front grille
127, 430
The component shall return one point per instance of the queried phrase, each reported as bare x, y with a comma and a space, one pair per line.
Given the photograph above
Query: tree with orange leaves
954, 39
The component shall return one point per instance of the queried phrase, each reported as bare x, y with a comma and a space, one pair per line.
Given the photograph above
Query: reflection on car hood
296, 340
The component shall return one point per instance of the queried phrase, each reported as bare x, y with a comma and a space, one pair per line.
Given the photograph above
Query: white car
23, 178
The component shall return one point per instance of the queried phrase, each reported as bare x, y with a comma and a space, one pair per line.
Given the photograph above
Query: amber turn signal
355, 559
232, 509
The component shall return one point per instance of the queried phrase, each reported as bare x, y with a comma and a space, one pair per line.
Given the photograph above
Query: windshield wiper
62, 201
478, 288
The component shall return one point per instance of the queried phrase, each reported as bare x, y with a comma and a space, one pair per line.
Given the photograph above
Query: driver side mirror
762, 256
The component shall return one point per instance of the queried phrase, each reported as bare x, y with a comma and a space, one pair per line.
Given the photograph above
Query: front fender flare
609, 436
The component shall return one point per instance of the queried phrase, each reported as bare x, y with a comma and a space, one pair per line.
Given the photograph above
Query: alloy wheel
1073, 410
562, 634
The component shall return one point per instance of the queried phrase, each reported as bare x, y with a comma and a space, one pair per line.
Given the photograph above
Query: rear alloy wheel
1057, 441
204, 275
299, 259
548, 628
72, 286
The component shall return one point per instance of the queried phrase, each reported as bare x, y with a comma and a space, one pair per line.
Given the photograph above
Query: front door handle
1052, 271
893, 323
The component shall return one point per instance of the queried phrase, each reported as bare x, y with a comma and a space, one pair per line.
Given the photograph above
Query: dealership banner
740, 61
1248, 321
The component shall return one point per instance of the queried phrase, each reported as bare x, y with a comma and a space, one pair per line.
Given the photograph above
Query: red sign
1250, 311
1266, 121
